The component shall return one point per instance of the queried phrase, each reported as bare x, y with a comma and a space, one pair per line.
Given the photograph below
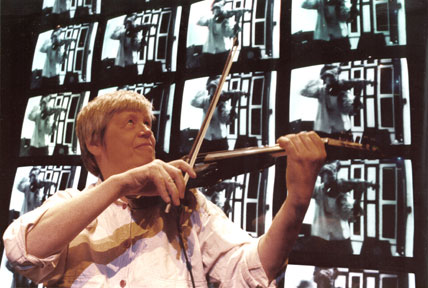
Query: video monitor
347, 24
63, 56
244, 112
31, 187
360, 207
364, 99
48, 127
141, 45
212, 26
62, 10
244, 118
161, 96
305, 276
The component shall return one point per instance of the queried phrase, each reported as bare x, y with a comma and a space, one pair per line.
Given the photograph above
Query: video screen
31, 187
213, 25
244, 117
361, 207
302, 276
348, 24
62, 10
162, 96
367, 99
63, 56
48, 127
142, 44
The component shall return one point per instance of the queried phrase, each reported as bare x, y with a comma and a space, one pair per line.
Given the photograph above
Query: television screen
141, 44
213, 25
63, 56
361, 207
48, 127
361, 99
61, 10
31, 187
348, 24
161, 95
244, 117
245, 112
302, 276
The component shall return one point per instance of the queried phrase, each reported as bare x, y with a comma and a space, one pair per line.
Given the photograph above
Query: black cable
180, 238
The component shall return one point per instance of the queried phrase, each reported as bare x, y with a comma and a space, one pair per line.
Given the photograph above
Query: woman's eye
130, 122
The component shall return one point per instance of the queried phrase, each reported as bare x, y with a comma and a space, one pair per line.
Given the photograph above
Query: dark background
19, 22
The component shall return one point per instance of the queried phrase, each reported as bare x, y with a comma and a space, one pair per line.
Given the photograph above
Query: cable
180, 238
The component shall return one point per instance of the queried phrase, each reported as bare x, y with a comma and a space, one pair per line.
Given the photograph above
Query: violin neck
275, 151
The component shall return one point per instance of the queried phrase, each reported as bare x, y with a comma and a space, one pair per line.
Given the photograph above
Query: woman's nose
145, 130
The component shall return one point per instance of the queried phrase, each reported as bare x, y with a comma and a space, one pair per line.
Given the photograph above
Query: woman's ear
95, 147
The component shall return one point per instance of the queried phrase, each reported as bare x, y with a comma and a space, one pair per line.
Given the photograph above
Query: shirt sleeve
230, 254
33, 114
310, 4
117, 33
14, 239
200, 99
312, 89
203, 21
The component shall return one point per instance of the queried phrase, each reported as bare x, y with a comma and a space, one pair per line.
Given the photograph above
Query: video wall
339, 67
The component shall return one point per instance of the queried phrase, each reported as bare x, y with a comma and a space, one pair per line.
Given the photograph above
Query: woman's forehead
142, 111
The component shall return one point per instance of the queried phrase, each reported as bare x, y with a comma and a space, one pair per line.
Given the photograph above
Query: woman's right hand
157, 178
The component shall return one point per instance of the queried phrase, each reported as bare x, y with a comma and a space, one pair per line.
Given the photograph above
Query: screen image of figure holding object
44, 126
55, 49
335, 209
222, 26
129, 41
332, 18
335, 104
103, 228
224, 114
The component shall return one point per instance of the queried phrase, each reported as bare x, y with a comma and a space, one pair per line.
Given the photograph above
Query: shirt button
122, 283
124, 206
127, 243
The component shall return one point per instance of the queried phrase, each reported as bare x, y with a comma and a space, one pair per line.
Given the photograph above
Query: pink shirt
124, 248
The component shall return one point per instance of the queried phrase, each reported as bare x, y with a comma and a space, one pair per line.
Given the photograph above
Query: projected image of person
116, 232
335, 102
61, 7
130, 41
55, 49
34, 189
335, 208
325, 277
44, 126
224, 114
220, 28
332, 18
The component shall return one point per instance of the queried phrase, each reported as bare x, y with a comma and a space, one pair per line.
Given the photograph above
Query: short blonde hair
92, 120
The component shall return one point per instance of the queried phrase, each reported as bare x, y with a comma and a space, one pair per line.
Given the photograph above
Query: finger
284, 140
171, 187
310, 144
287, 144
184, 166
318, 143
305, 142
161, 188
297, 145
178, 178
